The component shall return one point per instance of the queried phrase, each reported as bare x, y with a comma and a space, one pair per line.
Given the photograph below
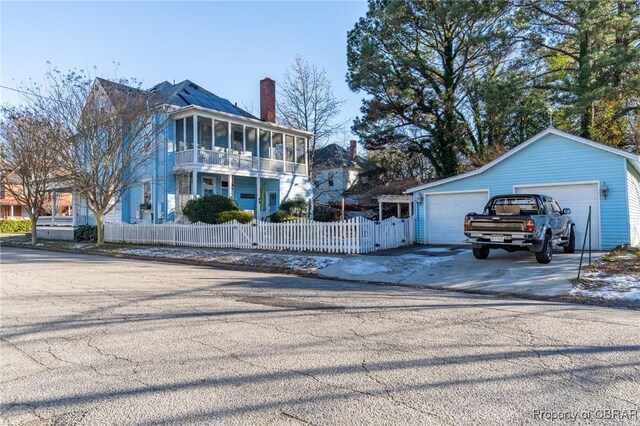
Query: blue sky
226, 47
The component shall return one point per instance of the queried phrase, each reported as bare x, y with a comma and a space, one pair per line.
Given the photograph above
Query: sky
225, 47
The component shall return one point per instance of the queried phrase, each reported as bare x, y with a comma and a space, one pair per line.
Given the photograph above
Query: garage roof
550, 131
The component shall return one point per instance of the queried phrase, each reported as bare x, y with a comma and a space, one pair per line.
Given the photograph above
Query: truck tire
571, 246
545, 255
481, 253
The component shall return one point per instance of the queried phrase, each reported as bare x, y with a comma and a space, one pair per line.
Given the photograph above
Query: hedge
11, 226
239, 216
206, 209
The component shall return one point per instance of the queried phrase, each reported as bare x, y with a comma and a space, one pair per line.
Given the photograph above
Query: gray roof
182, 94
334, 155
188, 93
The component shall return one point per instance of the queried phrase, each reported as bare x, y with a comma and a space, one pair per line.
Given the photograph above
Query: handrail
587, 231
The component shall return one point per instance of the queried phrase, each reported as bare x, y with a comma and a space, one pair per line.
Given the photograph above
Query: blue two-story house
211, 146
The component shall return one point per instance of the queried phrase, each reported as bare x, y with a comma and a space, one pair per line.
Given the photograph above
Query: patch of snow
426, 260
80, 246
301, 262
437, 250
619, 287
363, 267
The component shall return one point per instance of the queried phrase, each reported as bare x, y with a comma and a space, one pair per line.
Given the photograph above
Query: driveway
92, 340
455, 268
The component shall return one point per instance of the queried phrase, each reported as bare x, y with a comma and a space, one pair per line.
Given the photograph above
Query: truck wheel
481, 253
545, 255
571, 247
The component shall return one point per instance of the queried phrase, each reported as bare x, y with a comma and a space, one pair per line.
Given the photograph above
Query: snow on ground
364, 267
426, 260
605, 286
436, 250
298, 262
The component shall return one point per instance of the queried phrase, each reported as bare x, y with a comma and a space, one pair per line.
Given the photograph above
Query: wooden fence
351, 236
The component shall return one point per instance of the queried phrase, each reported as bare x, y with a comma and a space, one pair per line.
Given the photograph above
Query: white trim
588, 182
520, 147
459, 192
426, 194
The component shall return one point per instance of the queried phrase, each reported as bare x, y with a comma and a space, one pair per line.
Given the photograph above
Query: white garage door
577, 197
444, 221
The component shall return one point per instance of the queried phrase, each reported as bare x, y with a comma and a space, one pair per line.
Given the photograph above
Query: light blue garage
578, 172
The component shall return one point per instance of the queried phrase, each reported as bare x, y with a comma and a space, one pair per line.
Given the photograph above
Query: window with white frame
208, 186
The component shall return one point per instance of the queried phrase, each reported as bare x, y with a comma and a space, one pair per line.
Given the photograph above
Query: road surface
97, 340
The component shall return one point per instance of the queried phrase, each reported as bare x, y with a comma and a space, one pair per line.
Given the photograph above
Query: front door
272, 202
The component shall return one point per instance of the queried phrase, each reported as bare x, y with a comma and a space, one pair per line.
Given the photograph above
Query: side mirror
566, 211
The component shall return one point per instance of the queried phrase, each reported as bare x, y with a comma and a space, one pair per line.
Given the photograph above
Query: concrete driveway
455, 268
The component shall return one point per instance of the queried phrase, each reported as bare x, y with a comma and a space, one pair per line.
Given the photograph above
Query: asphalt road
96, 340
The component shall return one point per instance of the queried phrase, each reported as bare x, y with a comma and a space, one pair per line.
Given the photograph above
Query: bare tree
306, 101
30, 164
112, 131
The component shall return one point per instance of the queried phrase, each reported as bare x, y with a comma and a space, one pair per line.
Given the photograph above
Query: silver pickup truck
515, 222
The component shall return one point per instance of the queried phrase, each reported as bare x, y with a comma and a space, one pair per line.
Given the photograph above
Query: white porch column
194, 183
73, 208
306, 154
258, 198
380, 210
411, 208
399, 210
195, 137
53, 207
258, 152
12, 216
231, 191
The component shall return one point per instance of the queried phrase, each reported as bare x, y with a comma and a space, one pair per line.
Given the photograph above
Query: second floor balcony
237, 161
207, 140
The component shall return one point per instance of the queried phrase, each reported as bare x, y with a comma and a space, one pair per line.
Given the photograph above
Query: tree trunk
34, 223
99, 223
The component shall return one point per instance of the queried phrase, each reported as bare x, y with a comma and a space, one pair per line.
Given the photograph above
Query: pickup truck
514, 222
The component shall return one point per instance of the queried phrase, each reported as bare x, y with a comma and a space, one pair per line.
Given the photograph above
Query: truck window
515, 205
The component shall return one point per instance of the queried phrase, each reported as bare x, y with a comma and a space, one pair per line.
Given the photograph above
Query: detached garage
577, 172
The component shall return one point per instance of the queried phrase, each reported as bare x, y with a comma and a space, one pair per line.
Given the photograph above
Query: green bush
280, 216
295, 207
206, 209
326, 214
86, 233
239, 216
11, 226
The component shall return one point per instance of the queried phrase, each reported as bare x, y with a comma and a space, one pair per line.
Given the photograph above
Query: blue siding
555, 159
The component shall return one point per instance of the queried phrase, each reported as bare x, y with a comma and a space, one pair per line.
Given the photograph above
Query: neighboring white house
336, 170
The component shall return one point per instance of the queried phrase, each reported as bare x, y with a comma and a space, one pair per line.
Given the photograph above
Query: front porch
258, 195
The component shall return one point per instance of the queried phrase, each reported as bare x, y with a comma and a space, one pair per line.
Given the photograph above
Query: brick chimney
353, 149
268, 100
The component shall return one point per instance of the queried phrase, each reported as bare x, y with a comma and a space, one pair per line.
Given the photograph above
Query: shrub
206, 209
86, 233
295, 207
239, 216
10, 226
280, 216
326, 214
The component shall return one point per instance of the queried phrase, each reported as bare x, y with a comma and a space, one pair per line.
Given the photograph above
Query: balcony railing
238, 161
60, 221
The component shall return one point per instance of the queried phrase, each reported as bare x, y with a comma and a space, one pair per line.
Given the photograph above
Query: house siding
633, 188
555, 159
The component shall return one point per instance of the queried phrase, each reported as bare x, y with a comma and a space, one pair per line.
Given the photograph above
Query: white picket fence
351, 236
